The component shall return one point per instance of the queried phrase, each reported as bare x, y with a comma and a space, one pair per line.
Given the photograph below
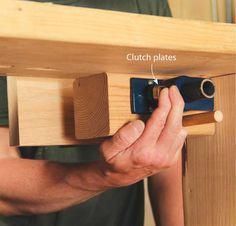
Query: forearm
37, 187
165, 190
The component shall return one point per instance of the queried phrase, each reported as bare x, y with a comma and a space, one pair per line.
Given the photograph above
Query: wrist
112, 178
88, 176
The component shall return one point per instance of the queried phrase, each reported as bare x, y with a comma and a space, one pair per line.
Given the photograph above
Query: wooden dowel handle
202, 118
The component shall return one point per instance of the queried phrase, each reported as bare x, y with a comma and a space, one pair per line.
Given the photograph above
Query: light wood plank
210, 180
42, 113
73, 41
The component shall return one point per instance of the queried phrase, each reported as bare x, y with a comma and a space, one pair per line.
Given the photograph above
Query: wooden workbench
71, 41
44, 47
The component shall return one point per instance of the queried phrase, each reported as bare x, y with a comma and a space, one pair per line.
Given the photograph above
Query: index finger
156, 122
174, 121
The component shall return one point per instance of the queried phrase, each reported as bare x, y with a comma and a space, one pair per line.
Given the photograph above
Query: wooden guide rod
202, 118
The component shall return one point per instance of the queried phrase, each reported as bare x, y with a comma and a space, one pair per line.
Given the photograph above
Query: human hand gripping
137, 150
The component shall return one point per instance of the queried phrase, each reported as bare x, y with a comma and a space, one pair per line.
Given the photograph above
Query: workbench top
38, 39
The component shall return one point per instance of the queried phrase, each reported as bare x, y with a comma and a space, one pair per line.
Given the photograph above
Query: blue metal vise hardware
198, 93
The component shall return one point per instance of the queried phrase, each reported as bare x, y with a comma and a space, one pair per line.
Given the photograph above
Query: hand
137, 150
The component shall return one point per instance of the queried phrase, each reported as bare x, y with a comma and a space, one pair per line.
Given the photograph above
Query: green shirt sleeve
3, 102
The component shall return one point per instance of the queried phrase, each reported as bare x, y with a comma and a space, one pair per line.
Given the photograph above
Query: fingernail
174, 88
165, 90
138, 125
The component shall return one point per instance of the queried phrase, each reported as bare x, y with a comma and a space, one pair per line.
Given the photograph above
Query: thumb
122, 139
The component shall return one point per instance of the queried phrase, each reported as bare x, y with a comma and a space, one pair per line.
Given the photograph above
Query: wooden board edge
13, 111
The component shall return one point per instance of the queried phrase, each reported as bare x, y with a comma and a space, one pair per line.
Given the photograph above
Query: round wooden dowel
202, 118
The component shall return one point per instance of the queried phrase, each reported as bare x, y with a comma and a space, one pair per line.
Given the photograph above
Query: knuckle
161, 119
161, 123
137, 159
142, 158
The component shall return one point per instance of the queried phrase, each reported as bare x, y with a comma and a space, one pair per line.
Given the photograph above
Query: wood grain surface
210, 180
73, 41
41, 110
